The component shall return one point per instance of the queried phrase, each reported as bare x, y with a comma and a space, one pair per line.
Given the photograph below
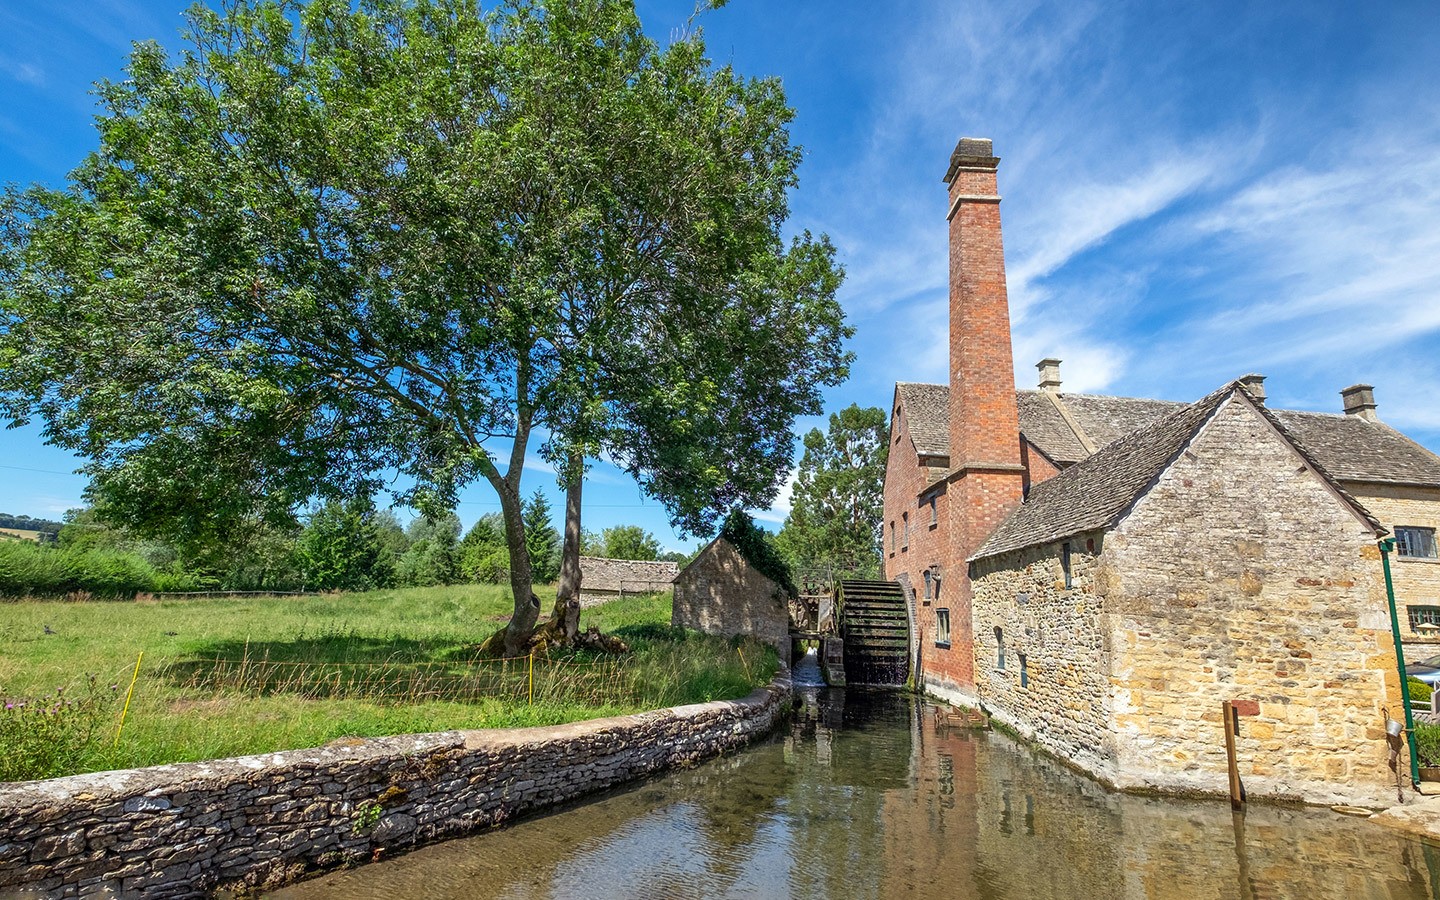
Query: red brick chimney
986, 477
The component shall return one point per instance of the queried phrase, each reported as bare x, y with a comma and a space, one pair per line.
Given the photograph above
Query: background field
224, 677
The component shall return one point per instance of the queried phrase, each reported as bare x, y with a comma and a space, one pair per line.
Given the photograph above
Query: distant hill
25, 523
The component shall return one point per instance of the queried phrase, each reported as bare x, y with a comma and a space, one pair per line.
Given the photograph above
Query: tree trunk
566, 617
527, 605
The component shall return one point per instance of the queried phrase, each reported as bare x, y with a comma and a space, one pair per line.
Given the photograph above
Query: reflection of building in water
1044, 831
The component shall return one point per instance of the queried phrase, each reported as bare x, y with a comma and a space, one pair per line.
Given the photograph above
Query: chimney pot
1255, 384
1049, 375
1359, 400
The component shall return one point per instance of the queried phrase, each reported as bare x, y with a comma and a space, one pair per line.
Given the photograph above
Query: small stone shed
604, 579
722, 593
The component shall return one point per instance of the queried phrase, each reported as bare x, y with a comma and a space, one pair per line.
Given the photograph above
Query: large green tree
629, 542
838, 502
333, 241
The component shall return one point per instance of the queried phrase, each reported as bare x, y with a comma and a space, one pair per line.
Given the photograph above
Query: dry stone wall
186, 830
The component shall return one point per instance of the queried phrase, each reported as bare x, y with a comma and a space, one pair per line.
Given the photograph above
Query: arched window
999, 648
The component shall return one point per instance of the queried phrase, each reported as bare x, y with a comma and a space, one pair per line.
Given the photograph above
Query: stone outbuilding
603, 579
1101, 572
720, 592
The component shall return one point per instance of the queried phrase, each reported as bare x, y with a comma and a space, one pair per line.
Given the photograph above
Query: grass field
225, 677
19, 534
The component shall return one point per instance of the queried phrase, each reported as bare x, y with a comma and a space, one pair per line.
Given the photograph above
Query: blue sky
1193, 191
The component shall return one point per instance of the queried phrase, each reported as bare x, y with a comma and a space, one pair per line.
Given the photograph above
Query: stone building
603, 579
1101, 572
722, 593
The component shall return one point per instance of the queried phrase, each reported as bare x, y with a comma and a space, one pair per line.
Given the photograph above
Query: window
1024, 672
935, 577
934, 512
1415, 542
892, 537
942, 627
905, 535
1065, 563
999, 649
1424, 615
927, 584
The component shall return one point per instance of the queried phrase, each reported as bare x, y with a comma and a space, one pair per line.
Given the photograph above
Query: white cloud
24, 72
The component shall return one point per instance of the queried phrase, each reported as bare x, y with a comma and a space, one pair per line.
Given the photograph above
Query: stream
866, 795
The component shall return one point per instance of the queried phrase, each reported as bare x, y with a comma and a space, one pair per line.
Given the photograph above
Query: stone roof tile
1093, 493
927, 409
1356, 449
1097, 491
1350, 448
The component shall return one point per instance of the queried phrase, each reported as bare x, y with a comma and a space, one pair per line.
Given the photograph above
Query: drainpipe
1386, 545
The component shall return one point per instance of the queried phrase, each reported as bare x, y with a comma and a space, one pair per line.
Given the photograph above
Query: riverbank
234, 677
186, 830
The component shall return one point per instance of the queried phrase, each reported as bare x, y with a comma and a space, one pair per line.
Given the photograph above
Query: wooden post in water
1232, 726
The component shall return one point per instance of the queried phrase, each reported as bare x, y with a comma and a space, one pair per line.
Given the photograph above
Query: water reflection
867, 796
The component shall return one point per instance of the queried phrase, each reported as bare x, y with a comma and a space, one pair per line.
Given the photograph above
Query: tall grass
232, 677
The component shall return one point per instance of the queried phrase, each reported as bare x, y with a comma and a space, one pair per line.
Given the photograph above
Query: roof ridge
1201, 411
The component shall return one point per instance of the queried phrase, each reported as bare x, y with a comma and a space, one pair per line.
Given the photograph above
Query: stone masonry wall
721, 593
1241, 575
1056, 637
1417, 581
186, 830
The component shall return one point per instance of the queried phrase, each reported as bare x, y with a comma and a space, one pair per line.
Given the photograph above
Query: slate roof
1097, 491
1356, 449
1093, 493
1348, 447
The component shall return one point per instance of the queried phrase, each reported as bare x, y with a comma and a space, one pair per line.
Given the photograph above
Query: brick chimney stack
984, 420
986, 477
1359, 400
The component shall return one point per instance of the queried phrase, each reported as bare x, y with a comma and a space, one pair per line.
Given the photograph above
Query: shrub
1427, 743
1419, 691
47, 737
755, 545
33, 570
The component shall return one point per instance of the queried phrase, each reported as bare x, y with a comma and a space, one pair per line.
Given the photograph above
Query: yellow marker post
530, 674
128, 694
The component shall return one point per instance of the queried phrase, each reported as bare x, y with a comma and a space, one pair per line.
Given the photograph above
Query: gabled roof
1097, 491
1349, 447
1094, 492
927, 409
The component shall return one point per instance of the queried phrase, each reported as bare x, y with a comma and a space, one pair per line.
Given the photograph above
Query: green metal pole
1386, 545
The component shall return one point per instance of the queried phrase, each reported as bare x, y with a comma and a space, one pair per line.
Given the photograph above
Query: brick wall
721, 593
261, 821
